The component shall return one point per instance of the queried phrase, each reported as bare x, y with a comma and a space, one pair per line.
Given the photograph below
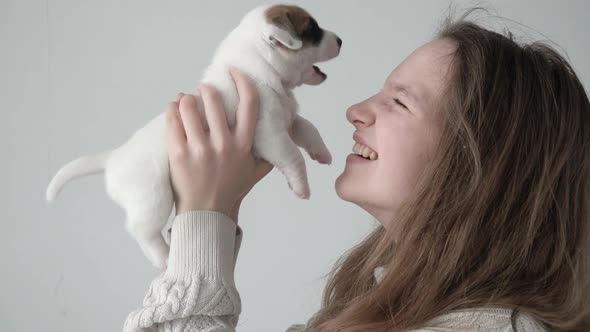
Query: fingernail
178, 97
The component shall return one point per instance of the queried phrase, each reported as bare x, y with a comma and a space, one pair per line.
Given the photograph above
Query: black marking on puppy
297, 22
313, 32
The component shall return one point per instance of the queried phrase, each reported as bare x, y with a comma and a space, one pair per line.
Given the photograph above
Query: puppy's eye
398, 102
313, 32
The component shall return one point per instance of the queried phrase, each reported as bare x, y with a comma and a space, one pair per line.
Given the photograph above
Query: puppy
276, 46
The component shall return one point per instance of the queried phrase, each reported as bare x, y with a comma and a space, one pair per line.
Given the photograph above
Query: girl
478, 172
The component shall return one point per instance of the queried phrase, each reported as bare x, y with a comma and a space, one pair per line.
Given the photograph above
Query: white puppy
276, 46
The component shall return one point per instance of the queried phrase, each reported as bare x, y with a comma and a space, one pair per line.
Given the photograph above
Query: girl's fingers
189, 113
215, 112
247, 109
175, 135
178, 96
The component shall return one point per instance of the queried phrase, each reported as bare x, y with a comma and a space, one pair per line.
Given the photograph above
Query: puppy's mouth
319, 71
313, 76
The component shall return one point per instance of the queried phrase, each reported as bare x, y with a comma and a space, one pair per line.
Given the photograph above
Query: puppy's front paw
322, 157
301, 192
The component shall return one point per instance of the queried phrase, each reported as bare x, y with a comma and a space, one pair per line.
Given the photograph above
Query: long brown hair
501, 217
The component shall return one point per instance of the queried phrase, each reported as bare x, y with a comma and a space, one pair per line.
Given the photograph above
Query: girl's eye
395, 100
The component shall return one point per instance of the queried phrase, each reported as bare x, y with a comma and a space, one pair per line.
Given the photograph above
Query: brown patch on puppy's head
297, 22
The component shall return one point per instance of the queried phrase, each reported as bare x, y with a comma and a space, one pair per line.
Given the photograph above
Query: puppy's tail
82, 166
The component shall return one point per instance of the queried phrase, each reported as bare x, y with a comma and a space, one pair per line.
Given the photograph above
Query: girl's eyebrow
416, 96
406, 90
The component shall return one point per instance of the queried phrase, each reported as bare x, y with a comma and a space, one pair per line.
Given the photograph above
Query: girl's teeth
364, 151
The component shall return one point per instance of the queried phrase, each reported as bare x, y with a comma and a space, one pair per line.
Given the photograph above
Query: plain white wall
79, 76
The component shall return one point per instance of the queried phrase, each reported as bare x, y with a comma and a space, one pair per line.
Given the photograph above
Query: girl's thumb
263, 167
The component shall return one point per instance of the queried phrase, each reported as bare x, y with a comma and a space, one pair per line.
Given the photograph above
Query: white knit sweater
197, 292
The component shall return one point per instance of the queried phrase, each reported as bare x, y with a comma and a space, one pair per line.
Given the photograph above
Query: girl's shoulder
482, 319
469, 320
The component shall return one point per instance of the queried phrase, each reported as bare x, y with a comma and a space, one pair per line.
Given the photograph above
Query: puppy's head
297, 40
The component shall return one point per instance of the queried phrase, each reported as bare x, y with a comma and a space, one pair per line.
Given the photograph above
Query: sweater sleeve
197, 292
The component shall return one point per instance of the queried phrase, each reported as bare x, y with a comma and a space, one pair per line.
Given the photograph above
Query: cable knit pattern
197, 292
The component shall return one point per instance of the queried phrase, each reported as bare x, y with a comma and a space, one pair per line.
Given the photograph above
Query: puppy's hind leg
145, 223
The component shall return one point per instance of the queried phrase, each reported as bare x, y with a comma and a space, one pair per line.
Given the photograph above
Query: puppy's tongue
319, 72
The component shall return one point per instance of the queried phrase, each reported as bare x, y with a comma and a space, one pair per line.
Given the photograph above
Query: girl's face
401, 123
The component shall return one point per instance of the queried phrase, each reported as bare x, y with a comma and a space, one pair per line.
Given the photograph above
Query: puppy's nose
339, 41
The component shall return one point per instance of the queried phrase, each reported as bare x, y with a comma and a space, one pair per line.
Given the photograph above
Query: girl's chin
344, 189
338, 186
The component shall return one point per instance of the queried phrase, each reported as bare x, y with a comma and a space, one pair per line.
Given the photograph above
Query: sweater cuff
202, 245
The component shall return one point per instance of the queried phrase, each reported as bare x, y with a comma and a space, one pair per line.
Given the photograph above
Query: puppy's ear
273, 33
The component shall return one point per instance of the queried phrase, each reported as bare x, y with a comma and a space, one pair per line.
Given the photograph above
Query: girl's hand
213, 169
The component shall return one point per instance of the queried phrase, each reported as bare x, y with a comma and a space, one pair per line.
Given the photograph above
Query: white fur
137, 173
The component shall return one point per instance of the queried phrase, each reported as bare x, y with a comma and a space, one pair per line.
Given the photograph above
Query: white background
80, 76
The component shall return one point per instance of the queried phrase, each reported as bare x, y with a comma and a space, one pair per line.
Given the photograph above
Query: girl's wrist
231, 211
182, 208
235, 211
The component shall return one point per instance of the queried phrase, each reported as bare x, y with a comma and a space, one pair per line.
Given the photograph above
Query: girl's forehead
425, 71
